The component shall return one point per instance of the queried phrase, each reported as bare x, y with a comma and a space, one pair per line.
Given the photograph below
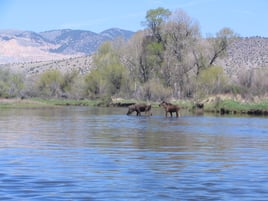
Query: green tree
181, 34
108, 75
51, 83
155, 19
69, 79
151, 58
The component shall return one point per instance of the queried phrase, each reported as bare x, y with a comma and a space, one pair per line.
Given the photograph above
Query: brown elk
138, 108
170, 108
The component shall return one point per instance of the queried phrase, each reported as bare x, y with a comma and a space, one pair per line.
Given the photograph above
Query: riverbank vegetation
168, 60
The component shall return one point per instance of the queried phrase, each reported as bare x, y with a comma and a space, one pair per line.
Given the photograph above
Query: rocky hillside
82, 64
27, 46
245, 54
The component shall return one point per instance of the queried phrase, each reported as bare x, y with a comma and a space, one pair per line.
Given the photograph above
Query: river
91, 153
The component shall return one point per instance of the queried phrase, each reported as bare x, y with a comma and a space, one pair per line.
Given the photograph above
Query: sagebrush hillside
242, 55
245, 54
81, 64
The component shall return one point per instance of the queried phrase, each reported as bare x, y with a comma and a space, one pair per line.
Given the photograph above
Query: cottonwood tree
155, 18
132, 53
108, 73
171, 52
151, 58
212, 48
181, 34
219, 44
130, 57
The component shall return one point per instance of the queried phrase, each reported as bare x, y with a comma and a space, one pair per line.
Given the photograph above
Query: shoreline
222, 107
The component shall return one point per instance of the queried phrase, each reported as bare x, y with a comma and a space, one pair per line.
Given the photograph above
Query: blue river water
87, 153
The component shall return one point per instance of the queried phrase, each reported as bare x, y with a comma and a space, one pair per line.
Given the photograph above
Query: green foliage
51, 83
154, 19
235, 106
114, 77
211, 81
151, 60
74, 85
69, 102
93, 83
69, 79
105, 101
155, 51
11, 84
108, 76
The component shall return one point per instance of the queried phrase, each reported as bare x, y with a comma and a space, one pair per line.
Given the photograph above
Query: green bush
93, 84
211, 80
11, 84
50, 83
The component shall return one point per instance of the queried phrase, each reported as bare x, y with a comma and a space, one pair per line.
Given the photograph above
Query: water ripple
101, 154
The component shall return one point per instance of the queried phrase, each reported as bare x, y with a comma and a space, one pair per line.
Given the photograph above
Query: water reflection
81, 153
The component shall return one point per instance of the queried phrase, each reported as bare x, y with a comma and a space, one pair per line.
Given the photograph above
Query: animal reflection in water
170, 108
138, 108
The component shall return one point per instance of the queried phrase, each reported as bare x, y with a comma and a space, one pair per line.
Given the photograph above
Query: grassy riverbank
235, 107
227, 106
68, 102
23, 103
44, 103
221, 106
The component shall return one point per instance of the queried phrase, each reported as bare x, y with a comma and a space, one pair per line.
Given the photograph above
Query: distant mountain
26, 46
23, 46
113, 33
73, 41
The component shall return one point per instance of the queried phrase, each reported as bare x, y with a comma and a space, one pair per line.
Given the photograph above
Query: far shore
216, 105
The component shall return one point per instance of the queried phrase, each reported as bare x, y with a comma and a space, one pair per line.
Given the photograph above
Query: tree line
168, 59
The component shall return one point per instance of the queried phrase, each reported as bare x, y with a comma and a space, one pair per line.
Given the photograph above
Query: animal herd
142, 107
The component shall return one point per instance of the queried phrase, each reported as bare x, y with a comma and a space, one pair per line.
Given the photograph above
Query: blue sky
245, 17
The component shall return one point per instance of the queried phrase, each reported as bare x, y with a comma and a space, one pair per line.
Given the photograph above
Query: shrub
11, 84
211, 80
153, 90
50, 83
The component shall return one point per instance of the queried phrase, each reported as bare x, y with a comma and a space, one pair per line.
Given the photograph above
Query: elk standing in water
170, 108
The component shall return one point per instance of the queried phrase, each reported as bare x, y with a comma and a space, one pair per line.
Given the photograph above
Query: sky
244, 17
